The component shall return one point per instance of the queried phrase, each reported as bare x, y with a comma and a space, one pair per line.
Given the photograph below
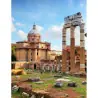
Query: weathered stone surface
25, 95
66, 95
41, 94
39, 82
84, 82
18, 72
72, 84
63, 80
76, 74
33, 79
15, 88
58, 84
25, 88
12, 84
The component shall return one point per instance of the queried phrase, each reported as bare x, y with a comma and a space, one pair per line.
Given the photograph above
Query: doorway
13, 66
34, 66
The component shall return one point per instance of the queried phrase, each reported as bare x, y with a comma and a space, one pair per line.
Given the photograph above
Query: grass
16, 95
49, 80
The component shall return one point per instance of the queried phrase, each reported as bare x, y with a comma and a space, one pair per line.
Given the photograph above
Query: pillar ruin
71, 22
72, 49
64, 52
82, 49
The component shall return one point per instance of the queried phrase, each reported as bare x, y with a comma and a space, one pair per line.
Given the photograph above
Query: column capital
82, 26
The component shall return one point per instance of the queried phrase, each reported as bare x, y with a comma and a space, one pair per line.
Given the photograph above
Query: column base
63, 69
82, 70
72, 71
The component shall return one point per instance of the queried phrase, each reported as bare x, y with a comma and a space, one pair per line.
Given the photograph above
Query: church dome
34, 31
33, 35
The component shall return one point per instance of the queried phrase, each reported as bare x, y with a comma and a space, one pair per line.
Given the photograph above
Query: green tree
13, 57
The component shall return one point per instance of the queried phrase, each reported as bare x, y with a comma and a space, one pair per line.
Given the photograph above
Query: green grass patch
49, 80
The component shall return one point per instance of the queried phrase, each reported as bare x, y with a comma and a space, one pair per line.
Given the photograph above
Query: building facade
34, 50
68, 60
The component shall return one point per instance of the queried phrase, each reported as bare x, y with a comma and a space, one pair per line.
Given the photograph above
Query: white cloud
34, 16
22, 35
81, 5
19, 24
54, 32
13, 29
55, 47
13, 19
39, 28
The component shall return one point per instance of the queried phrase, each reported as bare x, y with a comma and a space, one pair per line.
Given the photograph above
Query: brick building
33, 50
77, 58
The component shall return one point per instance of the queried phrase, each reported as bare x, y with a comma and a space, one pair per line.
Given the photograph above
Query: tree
13, 57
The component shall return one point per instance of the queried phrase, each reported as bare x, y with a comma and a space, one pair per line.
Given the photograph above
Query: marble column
64, 52
82, 49
72, 49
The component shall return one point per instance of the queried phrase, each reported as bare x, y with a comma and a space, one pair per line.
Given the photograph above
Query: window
37, 46
32, 39
37, 53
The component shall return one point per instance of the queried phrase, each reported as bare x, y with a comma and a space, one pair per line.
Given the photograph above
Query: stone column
64, 52
72, 49
82, 49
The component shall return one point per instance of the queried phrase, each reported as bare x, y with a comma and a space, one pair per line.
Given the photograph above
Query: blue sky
48, 15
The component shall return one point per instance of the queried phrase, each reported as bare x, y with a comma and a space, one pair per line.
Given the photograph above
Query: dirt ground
60, 94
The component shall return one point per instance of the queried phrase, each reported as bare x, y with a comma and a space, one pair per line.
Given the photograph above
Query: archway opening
34, 66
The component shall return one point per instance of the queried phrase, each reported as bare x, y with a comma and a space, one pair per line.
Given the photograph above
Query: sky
48, 15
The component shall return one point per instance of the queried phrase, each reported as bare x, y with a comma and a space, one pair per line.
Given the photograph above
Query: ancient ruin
72, 22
